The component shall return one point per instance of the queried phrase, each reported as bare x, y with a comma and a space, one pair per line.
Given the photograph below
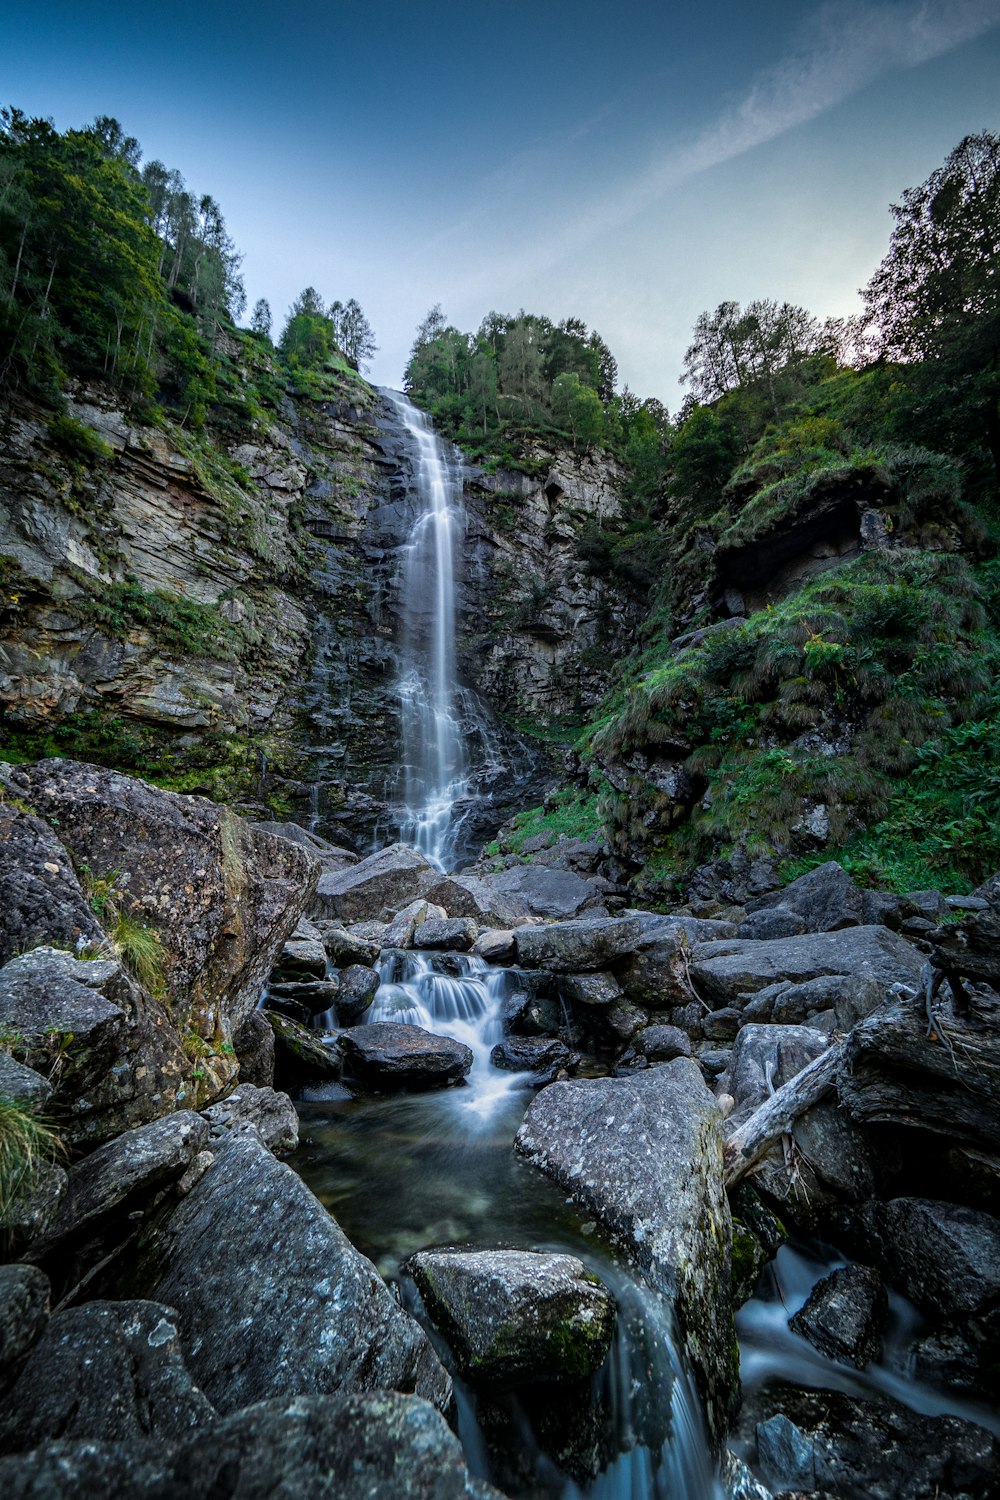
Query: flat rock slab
273, 1299
643, 1154
516, 1316
384, 881
723, 971
106, 1370
580, 946
446, 934
21, 1083
390, 1055
362, 1447
531, 1054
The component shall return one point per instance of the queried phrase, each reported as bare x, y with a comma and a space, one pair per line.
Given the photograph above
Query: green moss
180, 625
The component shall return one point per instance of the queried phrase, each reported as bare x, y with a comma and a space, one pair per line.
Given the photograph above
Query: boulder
809, 1441
358, 988
964, 1355
345, 948
271, 1114
272, 1298
378, 1446
643, 1154
516, 1316
583, 945
301, 958
496, 946
222, 895
112, 1371
299, 1055
40, 895
590, 989
721, 1025
531, 1054
725, 972
81, 1469
109, 1052
764, 1058
253, 1043
777, 922
655, 971
22, 1084
825, 899
390, 1055
304, 999
662, 1043
329, 856
945, 1258
446, 934
385, 881
844, 1315
24, 1312
399, 933
120, 1175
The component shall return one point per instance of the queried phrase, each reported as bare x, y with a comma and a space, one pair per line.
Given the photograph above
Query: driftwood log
752, 1139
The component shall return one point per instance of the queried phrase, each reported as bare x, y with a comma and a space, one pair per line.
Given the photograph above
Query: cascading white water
434, 765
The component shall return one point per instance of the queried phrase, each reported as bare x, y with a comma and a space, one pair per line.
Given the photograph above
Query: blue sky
630, 164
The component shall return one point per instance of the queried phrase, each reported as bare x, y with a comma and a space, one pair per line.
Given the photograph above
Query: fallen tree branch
749, 1141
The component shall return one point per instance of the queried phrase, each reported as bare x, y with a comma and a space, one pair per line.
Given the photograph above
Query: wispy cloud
846, 46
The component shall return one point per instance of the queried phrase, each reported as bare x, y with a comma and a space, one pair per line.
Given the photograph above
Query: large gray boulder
390, 1055
515, 1316
106, 1370
643, 1154
272, 1298
383, 882
826, 899
40, 895
654, 971
222, 896
507, 897
764, 1058
724, 972
124, 1172
577, 947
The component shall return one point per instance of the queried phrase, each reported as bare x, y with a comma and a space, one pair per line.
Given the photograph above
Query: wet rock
643, 1153
823, 1441
590, 989
964, 1355
29, 1216
757, 1235
253, 1043
301, 958
738, 1482
515, 1316
399, 933
299, 1055
844, 1315
272, 1298
447, 934
388, 1055
304, 1000
292, 1009
21, 1083
346, 948
24, 1312
123, 1173
724, 972
384, 881
531, 1054
568, 947
778, 922
271, 1114
944, 1257
112, 1371
83, 1469
222, 895
358, 988
526, 1013
345, 1447
495, 946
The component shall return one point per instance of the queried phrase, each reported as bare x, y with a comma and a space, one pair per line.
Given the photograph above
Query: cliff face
185, 602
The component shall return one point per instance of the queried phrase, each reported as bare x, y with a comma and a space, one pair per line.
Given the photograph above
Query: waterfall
434, 769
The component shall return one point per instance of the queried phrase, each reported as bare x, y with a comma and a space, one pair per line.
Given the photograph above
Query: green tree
353, 333
935, 299
260, 319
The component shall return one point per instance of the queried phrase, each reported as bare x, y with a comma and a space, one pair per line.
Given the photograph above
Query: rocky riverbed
721, 1091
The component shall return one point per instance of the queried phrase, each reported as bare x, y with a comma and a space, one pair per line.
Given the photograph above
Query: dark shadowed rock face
944, 1257
271, 1114
844, 1315
355, 992
107, 1370
24, 1311
513, 1316
272, 1299
222, 895
825, 899
531, 1054
808, 1441
40, 896
644, 1155
253, 1043
389, 1055
299, 1055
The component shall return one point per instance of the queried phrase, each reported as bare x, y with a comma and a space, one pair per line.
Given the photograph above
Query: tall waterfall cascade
437, 714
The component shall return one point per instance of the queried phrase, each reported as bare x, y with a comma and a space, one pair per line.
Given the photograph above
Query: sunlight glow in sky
630, 165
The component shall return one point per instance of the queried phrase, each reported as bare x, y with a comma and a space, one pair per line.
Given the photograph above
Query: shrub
27, 1146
